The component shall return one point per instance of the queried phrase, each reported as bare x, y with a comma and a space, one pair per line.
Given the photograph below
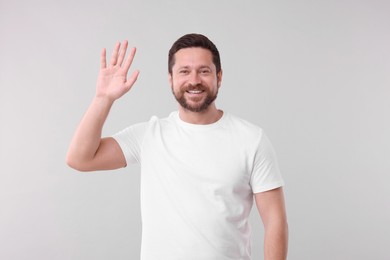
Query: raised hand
112, 82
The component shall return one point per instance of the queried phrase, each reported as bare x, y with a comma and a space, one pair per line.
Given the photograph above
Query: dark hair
193, 40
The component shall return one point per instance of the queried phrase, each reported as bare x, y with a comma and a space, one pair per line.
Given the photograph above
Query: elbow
75, 164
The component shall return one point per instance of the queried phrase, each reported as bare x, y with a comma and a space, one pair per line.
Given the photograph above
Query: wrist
103, 100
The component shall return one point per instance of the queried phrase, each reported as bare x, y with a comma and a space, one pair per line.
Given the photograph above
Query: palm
112, 81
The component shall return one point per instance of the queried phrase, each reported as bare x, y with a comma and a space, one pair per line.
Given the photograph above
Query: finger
129, 60
122, 53
114, 55
130, 81
103, 59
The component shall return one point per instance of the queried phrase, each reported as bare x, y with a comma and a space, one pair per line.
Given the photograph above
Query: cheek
179, 83
176, 81
176, 86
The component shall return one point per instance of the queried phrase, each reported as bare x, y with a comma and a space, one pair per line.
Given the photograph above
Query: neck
209, 116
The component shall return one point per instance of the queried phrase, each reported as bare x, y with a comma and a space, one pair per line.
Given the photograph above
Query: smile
194, 91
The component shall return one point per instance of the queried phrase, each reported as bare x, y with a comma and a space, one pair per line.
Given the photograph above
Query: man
201, 167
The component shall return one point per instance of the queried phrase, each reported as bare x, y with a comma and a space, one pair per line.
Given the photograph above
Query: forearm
276, 241
87, 137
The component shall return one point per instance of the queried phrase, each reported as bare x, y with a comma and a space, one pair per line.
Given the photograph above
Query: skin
194, 69
88, 151
271, 207
193, 78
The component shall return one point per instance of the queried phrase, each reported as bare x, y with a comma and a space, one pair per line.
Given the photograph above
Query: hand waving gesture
112, 81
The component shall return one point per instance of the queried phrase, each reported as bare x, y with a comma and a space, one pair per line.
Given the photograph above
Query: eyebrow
188, 67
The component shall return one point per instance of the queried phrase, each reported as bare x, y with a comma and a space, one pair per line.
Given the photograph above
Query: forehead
194, 56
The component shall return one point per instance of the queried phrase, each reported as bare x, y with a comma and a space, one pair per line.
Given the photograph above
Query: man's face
194, 79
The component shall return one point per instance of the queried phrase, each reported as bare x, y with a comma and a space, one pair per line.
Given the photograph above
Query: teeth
195, 91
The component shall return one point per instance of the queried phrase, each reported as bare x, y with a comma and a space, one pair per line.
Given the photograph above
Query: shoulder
155, 125
138, 129
243, 126
156, 121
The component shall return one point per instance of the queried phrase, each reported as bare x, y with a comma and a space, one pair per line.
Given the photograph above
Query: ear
219, 78
170, 80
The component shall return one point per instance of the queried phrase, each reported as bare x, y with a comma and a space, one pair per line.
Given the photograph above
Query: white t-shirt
197, 185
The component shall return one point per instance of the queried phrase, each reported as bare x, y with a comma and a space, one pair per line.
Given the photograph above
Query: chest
215, 159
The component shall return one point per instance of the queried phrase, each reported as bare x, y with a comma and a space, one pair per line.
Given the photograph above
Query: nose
194, 78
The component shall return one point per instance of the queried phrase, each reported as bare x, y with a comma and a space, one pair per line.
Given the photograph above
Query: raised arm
88, 151
271, 207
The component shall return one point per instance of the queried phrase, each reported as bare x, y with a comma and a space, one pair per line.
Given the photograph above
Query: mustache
194, 87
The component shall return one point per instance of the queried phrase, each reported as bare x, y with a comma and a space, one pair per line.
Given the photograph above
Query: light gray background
313, 74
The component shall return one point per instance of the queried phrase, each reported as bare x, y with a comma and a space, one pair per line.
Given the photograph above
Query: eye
204, 71
183, 71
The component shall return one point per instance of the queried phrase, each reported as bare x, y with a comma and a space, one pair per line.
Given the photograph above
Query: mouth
195, 91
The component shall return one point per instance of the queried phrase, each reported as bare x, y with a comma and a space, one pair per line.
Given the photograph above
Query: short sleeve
265, 172
130, 141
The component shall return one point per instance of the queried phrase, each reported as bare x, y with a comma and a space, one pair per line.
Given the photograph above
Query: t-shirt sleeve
130, 141
265, 174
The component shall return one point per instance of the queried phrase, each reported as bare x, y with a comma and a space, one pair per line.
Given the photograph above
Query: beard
197, 105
